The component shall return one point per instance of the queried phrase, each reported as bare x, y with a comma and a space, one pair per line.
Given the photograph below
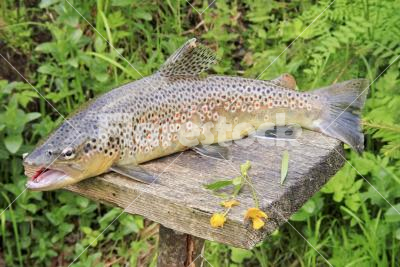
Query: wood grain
177, 249
179, 201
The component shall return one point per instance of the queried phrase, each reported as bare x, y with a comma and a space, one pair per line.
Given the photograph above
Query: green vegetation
62, 56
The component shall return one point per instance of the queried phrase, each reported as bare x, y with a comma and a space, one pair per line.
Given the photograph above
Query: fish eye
68, 153
49, 153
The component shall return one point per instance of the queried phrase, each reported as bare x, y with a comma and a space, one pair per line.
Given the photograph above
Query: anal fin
135, 172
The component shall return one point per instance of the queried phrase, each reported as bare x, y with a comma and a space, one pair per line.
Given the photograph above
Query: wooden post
177, 249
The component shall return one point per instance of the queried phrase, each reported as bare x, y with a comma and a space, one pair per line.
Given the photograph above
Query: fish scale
153, 117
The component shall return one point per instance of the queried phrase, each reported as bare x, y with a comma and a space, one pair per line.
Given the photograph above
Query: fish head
64, 159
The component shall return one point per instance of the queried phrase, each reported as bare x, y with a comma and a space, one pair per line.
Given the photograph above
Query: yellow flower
256, 215
230, 203
217, 220
258, 223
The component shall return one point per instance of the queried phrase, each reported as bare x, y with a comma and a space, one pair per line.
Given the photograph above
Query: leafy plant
352, 221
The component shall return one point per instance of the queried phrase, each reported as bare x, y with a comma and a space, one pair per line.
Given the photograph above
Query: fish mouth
43, 179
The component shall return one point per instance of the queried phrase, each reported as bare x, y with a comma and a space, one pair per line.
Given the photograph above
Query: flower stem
253, 191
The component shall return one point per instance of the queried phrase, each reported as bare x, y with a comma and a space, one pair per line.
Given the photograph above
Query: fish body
177, 109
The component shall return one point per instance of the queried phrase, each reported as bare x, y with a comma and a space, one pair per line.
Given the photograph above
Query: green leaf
101, 77
397, 234
13, 143
47, 69
82, 202
300, 216
338, 196
353, 201
86, 230
309, 206
392, 214
66, 227
47, 3
238, 255
218, 185
237, 180
237, 189
99, 44
121, 2
49, 47
141, 14
73, 62
75, 36
284, 166
32, 116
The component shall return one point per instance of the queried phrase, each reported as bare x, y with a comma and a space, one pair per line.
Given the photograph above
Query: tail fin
341, 118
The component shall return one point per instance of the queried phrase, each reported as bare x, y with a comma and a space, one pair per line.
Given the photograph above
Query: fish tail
341, 116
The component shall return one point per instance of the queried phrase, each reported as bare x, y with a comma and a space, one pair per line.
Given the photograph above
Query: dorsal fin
190, 59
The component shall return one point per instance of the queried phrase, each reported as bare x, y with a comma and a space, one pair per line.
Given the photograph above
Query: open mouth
43, 177
38, 173
44, 173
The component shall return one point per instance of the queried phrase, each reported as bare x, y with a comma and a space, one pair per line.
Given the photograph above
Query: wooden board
178, 200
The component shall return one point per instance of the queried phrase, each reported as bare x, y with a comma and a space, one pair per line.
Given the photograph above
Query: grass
68, 62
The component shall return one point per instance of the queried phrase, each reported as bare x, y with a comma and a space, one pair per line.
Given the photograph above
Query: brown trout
177, 109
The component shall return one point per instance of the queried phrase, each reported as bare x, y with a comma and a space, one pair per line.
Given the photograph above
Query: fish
179, 108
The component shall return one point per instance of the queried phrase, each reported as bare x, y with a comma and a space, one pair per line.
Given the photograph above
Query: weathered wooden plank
179, 201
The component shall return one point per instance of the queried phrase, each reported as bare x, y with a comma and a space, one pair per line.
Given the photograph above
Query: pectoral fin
214, 151
135, 172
